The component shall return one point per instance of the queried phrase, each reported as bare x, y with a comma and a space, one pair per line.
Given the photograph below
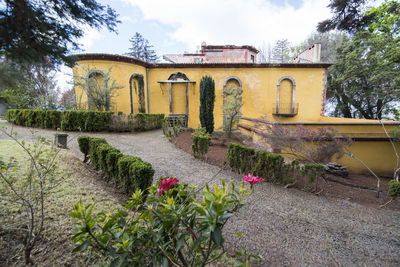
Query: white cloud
89, 38
235, 21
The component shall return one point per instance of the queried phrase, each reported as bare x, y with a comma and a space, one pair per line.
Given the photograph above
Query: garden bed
217, 156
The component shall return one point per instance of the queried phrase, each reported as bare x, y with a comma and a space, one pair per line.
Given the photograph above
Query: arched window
136, 93
285, 96
233, 85
95, 84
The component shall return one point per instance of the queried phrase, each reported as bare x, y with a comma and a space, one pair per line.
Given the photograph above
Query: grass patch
79, 182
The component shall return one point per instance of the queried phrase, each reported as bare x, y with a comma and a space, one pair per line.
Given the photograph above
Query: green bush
269, 166
83, 142
394, 189
140, 176
112, 164
149, 121
240, 158
86, 120
201, 142
50, 119
102, 152
124, 164
93, 144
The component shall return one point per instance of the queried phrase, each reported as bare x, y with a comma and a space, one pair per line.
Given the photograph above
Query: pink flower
250, 178
167, 183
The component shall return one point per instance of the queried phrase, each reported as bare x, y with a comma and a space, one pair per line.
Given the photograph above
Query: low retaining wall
370, 143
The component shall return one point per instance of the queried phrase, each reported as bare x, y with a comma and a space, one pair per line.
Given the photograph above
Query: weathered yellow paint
259, 86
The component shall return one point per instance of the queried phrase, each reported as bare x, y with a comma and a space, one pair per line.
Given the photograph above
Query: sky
174, 27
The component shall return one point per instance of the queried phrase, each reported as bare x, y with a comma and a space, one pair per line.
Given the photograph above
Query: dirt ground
217, 156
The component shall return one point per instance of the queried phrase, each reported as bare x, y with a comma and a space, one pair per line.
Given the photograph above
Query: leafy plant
169, 227
207, 99
201, 142
394, 189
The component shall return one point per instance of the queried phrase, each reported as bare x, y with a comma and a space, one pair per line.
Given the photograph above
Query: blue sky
174, 26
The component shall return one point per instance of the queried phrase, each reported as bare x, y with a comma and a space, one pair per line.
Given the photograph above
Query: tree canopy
365, 80
37, 31
142, 49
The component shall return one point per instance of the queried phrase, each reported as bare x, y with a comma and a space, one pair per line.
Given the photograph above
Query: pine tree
207, 98
280, 52
142, 49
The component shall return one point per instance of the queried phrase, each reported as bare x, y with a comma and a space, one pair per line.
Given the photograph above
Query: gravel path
287, 226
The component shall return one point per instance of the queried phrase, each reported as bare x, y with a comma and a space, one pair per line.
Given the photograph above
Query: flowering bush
170, 227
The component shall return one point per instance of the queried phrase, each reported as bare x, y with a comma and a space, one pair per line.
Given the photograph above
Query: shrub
148, 121
50, 119
93, 144
313, 171
160, 229
86, 120
394, 189
269, 166
83, 142
124, 164
207, 99
140, 176
102, 152
201, 142
112, 164
240, 158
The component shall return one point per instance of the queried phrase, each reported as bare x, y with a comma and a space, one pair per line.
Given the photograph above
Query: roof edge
126, 59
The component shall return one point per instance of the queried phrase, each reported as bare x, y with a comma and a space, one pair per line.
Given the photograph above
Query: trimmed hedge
79, 120
270, 166
86, 120
149, 121
240, 158
50, 119
130, 172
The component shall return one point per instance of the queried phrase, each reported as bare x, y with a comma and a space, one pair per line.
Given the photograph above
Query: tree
29, 85
45, 30
280, 52
232, 106
100, 88
265, 54
142, 49
207, 99
364, 82
68, 100
348, 16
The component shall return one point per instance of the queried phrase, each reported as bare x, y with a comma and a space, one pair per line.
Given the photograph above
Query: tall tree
207, 99
347, 16
37, 31
365, 81
280, 52
142, 49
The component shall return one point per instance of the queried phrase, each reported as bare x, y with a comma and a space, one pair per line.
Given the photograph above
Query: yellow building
285, 93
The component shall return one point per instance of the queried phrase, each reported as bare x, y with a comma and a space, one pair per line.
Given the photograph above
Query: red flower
167, 183
250, 178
